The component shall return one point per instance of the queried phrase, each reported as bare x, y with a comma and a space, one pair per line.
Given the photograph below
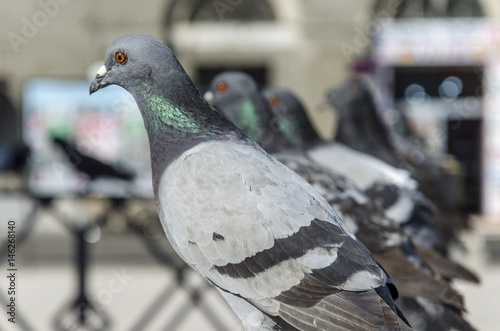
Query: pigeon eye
221, 86
273, 100
120, 57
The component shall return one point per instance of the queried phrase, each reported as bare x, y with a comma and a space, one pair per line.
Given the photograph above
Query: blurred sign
106, 126
436, 41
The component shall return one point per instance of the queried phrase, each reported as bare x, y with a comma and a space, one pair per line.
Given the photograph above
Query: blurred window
446, 83
234, 10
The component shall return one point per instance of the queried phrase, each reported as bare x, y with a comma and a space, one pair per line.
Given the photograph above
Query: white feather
363, 169
251, 318
102, 71
362, 280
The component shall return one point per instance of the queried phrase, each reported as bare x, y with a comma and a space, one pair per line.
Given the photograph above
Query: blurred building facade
306, 45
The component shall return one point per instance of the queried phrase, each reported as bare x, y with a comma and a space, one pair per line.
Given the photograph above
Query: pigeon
362, 127
269, 242
237, 91
88, 165
429, 303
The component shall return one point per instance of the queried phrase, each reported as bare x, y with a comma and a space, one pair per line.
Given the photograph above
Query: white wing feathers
365, 170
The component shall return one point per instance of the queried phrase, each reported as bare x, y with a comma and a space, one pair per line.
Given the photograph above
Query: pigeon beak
98, 83
208, 96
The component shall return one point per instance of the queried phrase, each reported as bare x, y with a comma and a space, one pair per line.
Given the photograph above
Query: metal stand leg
81, 312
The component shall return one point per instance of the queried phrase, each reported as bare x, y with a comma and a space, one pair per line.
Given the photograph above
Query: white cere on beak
102, 71
208, 96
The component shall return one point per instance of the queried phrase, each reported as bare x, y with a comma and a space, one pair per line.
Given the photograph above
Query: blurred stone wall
62, 38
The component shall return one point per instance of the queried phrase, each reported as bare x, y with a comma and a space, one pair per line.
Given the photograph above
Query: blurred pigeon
290, 127
355, 113
362, 127
437, 305
382, 236
269, 242
88, 165
391, 188
238, 92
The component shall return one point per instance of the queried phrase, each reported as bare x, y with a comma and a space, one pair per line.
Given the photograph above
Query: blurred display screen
106, 126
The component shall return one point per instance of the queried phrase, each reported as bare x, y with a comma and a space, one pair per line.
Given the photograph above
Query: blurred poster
448, 41
106, 126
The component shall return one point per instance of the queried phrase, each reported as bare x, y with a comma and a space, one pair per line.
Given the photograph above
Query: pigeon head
230, 87
360, 124
237, 96
130, 62
144, 66
165, 95
352, 93
355, 101
290, 116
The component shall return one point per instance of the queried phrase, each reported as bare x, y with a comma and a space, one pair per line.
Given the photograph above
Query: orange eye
221, 86
120, 57
273, 100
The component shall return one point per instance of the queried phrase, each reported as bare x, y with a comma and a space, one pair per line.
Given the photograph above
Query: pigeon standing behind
268, 241
362, 127
240, 93
389, 187
382, 236
422, 296
420, 288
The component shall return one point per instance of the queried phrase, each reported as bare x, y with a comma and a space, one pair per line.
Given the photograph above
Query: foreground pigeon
269, 242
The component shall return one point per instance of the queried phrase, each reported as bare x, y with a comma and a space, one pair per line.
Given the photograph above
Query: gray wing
257, 230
